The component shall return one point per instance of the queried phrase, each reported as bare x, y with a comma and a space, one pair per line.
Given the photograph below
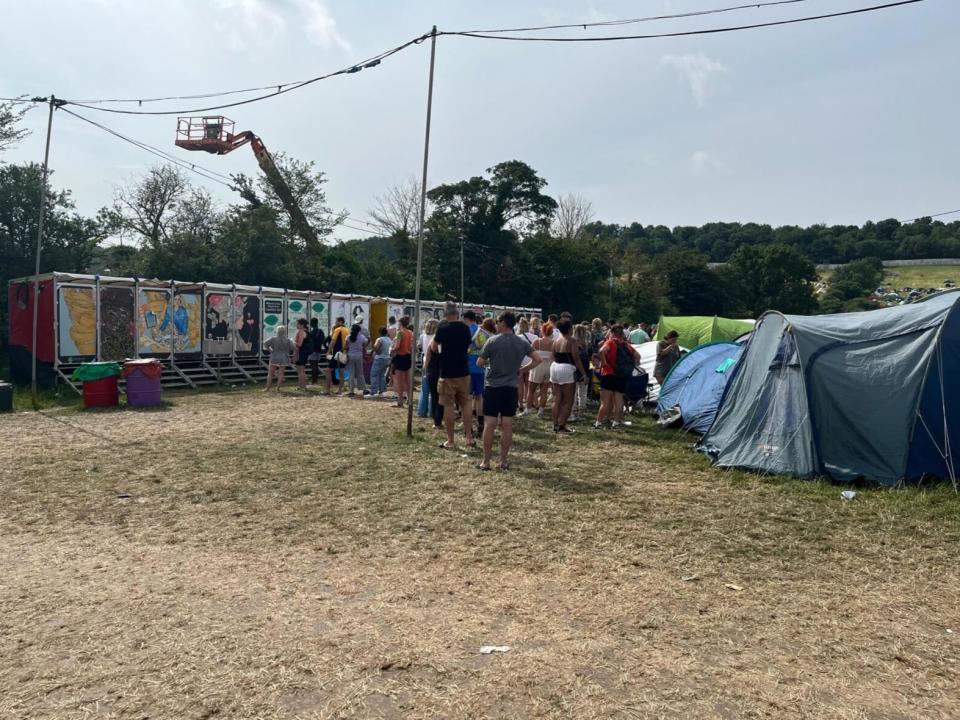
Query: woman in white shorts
538, 381
563, 375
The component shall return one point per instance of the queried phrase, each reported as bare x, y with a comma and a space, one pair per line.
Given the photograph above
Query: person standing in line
617, 359
304, 348
597, 335
581, 333
356, 346
522, 329
317, 340
668, 352
392, 328
338, 341
426, 337
549, 326
381, 362
431, 372
281, 348
501, 357
638, 336
564, 375
478, 337
539, 378
402, 350
452, 340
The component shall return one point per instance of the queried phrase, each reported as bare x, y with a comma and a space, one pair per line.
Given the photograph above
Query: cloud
703, 163
319, 25
698, 70
262, 23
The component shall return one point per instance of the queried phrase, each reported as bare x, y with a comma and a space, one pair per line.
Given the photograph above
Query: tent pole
423, 210
36, 267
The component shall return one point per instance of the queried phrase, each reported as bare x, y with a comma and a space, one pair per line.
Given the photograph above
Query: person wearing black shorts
501, 358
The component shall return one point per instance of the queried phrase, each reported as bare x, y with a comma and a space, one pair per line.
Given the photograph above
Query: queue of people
480, 372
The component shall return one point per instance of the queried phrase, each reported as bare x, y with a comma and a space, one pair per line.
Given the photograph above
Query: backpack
626, 364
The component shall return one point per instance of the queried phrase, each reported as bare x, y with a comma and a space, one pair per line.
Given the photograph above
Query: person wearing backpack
617, 360
317, 341
336, 357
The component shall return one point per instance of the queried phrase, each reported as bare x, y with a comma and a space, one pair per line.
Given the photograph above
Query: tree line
519, 245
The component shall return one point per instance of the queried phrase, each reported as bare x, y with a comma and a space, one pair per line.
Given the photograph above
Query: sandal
504, 466
446, 446
483, 467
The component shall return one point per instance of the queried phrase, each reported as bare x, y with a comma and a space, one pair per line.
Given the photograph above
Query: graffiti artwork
183, 320
154, 334
218, 321
76, 322
320, 309
296, 310
353, 311
117, 323
247, 324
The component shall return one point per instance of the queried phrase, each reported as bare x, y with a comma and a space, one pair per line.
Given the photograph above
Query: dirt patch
242, 555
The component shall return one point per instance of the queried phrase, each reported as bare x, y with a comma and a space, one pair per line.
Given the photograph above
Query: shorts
500, 401
613, 383
402, 362
562, 373
454, 391
476, 383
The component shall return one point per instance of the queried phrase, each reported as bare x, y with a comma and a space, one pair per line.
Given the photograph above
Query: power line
935, 215
685, 33
282, 88
651, 18
163, 155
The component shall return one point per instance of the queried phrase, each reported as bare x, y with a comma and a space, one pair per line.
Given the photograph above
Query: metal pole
423, 212
36, 267
462, 293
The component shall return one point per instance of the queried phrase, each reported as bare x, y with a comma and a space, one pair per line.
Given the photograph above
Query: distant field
921, 276
918, 276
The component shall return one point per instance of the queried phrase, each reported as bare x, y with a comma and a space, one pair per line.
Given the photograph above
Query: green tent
699, 329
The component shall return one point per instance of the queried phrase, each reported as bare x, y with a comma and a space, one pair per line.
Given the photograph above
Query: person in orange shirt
337, 345
402, 351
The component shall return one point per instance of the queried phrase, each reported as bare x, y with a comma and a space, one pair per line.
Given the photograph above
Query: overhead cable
280, 88
213, 175
685, 33
649, 18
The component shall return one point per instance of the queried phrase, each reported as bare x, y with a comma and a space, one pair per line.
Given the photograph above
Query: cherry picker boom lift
214, 134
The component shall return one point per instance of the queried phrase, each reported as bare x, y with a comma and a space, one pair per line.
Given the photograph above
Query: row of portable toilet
101, 382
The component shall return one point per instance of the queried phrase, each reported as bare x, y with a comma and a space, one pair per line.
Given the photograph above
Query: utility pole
423, 211
54, 103
462, 290
610, 294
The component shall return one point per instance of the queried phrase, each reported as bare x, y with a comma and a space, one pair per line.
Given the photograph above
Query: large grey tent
873, 395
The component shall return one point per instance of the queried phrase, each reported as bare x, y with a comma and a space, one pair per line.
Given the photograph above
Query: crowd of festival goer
481, 371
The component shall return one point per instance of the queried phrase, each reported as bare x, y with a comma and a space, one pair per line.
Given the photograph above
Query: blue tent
696, 384
872, 395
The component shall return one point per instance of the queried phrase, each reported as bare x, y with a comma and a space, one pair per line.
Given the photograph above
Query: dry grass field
242, 555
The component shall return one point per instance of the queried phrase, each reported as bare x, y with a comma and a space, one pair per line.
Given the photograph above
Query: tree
306, 185
572, 216
690, 287
10, 117
397, 210
144, 208
487, 216
850, 284
772, 277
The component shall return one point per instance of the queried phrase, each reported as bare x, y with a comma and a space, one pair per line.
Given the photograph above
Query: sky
837, 121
